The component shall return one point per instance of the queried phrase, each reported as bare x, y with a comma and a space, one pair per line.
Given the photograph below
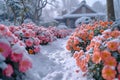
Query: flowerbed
99, 54
33, 35
15, 44
14, 60
83, 35
26, 34
60, 33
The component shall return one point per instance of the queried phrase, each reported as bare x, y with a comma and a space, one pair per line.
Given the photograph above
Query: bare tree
25, 8
39, 5
110, 10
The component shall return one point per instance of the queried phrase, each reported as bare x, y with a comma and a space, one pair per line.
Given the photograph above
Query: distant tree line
18, 10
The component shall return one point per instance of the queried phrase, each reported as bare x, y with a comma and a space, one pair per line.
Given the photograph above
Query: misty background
18, 11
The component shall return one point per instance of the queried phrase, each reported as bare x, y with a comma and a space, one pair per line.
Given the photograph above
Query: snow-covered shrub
99, 58
44, 35
83, 20
102, 58
27, 34
14, 60
83, 35
31, 33
60, 33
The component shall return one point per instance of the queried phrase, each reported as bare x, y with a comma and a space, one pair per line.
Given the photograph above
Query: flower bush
14, 60
33, 35
99, 58
83, 35
60, 33
44, 35
28, 36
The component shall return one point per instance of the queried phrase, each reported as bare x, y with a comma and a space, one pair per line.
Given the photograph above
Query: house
83, 10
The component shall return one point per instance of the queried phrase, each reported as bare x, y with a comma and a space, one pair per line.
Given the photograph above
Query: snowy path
54, 63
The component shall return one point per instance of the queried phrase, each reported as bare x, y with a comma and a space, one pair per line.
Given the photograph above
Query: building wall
70, 23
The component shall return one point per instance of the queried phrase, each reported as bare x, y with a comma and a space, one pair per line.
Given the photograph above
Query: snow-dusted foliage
96, 49
83, 20
17, 42
14, 59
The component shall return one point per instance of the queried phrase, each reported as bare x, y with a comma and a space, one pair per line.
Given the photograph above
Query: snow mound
83, 20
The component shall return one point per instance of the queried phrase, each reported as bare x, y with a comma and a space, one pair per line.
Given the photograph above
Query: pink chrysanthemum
5, 49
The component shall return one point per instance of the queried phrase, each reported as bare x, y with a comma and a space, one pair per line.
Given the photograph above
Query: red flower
16, 57
24, 65
5, 49
8, 71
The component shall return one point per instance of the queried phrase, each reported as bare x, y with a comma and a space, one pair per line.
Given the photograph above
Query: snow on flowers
17, 41
33, 36
96, 50
12, 53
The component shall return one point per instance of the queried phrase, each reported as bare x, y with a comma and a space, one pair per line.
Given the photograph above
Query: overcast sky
89, 2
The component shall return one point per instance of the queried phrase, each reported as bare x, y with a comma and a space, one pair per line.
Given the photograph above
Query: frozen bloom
36, 48
96, 58
5, 49
108, 73
105, 54
113, 45
29, 42
16, 57
110, 61
8, 71
24, 65
36, 41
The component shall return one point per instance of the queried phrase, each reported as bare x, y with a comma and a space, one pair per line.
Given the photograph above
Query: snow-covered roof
72, 14
81, 15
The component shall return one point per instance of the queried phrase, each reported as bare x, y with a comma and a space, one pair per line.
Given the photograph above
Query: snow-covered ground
54, 62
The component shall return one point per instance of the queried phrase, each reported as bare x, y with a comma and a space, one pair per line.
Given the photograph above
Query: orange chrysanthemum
76, 48
87, 57
76, 41
108, 73
113, 45
30, 51
68, 47
83, 65
110, 61
105, 54
115, 33
96, 57
78, 54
